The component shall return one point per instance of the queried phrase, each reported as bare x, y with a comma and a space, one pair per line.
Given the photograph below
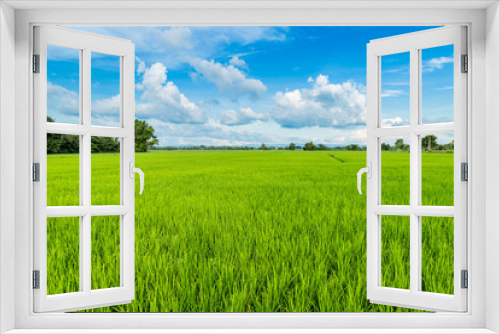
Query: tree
322, 147
144, 136
144, 139
292, 147
385, 147
353, 147
105, 144
53, 140
309, 146
429, 143
264, 147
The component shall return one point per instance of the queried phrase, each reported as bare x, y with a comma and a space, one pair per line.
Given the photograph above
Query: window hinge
464, 171
36, 63
36, 172
36, 279
465, 279
465, 64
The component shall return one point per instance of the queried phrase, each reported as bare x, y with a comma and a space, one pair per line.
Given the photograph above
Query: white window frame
85, 44
414, 43
483, 101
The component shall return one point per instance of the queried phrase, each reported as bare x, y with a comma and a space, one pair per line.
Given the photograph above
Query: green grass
252, 231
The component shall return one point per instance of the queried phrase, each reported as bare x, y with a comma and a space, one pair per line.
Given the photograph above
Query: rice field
250, 231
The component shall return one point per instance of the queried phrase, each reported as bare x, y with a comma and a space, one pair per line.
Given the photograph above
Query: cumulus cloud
436, 63
236, 61
178, 37
323, 105
229, 79
164, 100
141, 66
240, 117
396, 121
210, 133
62, 104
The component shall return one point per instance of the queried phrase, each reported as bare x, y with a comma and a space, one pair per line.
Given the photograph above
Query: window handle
368, 171
138, 171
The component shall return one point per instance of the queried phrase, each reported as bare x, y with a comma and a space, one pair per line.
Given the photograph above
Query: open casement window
403, 212
68, 220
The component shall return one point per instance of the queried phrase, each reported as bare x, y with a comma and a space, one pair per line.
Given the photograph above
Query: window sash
414, 298
86, 298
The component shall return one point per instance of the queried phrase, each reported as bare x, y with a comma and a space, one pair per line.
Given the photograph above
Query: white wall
7, 161
492, 164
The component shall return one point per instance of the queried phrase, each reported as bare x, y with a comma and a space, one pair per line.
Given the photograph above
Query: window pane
63, 84
63, 255
395, 169
63, 170
395, 252
437, 254
437, 84
105, 252
105, 171
394, 93
105, 90
437, 169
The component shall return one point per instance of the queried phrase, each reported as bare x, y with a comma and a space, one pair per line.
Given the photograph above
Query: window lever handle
134, 170
368, 171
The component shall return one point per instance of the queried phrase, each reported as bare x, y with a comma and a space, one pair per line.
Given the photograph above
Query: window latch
368, 171
133, 170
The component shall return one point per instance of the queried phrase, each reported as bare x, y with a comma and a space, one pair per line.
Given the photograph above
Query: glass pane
437, 84
105, 171
394, 93
437, 254
63, 170
105, 90
395, 252
63, 84
105, 252
395, 169
437, 169
63, 255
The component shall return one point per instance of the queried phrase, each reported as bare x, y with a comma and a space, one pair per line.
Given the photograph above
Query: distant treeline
429, 143
144, 140
292, 147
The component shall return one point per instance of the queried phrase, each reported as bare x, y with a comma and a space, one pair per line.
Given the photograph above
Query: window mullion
85, 244
415, 265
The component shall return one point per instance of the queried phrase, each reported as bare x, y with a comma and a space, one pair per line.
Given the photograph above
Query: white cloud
62, 104
106, 112
164, 100
324, 105
141, 66
446, 88
391, 92
236, 61
240, 117
228, 79
436, 63
396, 121
210, 133
178, 37
394, 70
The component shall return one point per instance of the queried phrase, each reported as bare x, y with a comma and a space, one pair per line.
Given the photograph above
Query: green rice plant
252, 231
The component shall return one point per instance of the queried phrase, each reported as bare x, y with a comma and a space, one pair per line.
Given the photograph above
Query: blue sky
252, 85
